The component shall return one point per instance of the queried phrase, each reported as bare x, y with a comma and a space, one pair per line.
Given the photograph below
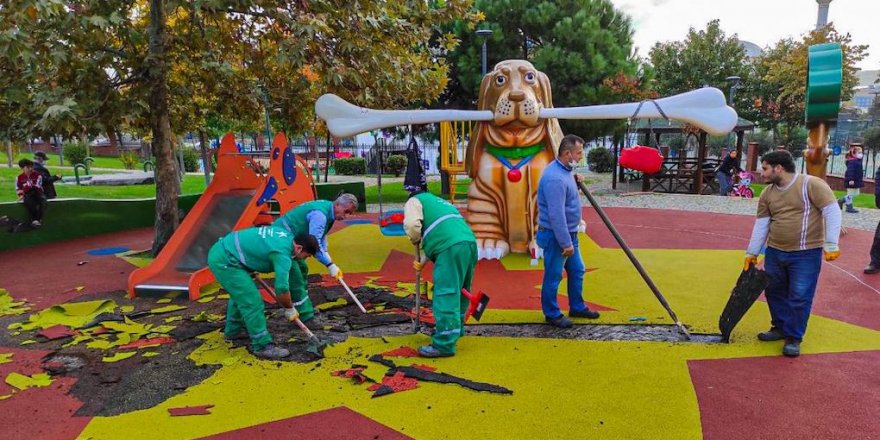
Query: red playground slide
238, 197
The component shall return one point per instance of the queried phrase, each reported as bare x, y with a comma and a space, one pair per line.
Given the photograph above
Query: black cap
41, 155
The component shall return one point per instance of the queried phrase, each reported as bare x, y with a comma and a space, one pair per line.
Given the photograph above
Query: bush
75, 153
599, 159
396, 164
129, 159
350, 166
190, 160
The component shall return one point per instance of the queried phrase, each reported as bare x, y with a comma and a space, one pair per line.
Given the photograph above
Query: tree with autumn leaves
165, 67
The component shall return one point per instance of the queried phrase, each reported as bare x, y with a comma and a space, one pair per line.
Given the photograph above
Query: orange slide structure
238, 197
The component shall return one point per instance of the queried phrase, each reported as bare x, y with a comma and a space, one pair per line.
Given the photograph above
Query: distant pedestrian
725, 172
29, 188
49, 180
852, 178
874, 266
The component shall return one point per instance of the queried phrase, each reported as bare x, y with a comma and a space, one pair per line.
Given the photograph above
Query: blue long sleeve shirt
317, 221
559, 204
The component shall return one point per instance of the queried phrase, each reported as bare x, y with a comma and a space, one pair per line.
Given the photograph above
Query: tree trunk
167, 180
206, 157
9, 152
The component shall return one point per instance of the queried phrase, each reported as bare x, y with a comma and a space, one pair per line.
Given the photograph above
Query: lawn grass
394, 193
190, 185
860, 201
54, 161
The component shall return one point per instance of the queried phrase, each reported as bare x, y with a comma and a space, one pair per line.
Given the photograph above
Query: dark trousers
36, 205
875, 248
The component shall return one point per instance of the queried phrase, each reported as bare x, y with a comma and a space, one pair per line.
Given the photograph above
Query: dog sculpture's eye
500, 80
530, 77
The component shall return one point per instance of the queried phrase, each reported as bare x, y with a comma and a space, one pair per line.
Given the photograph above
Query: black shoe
771, 335
871, 269
585, 313
851, 210
792, 348
560, 321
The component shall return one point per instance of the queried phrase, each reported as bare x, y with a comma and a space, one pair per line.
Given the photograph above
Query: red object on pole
643, 159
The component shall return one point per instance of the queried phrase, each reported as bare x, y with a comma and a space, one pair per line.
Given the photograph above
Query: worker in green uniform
446, 240
314, 218
233, 260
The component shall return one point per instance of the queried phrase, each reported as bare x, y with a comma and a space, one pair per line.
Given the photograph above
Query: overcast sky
762, 22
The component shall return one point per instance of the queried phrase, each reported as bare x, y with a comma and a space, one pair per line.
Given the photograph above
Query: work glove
582, 227
291, 314
335, 271
831, 251
751, 260
418, 265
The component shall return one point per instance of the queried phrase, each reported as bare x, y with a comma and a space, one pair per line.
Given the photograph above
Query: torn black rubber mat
360, 321
430, 376
747, 289
184, 332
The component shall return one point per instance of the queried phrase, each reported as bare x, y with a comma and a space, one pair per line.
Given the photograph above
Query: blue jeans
793, 280
554, 262
723, 183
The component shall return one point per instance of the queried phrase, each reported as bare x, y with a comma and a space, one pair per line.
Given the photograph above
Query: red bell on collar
514, 175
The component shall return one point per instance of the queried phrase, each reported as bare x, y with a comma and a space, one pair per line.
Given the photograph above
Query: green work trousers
299, 292
453, 271
245, 305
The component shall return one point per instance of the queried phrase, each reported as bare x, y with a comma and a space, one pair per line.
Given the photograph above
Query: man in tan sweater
799, 221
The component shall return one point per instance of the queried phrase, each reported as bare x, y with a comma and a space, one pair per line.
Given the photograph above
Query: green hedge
75, 218
329, 191
396, 164
350, 166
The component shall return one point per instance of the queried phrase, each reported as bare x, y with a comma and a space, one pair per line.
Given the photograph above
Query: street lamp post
484, 34
735, 83
264, 94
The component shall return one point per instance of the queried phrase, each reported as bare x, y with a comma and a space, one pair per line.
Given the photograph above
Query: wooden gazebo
679, 174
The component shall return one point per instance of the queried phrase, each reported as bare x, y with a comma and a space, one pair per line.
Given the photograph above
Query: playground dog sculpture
506, 157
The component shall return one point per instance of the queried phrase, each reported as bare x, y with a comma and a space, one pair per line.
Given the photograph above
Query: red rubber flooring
823, 396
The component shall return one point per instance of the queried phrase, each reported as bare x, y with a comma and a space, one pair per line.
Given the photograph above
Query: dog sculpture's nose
516, 95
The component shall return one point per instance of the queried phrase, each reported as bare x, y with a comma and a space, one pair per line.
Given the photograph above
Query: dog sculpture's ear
475, 145
482, 99
554, 131
546, 94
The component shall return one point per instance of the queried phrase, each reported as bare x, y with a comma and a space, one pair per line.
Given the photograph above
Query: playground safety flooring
561, 388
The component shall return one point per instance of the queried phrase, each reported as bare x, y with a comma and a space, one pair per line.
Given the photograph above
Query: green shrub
129, 159
190, 160
75, 153
396, 164
350, 166
599, 159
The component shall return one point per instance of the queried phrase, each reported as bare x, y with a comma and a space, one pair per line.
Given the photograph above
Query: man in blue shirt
559, 218
314, 218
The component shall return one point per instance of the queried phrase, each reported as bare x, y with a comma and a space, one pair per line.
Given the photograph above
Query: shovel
351, 294
316, 346
418, 310
635, 261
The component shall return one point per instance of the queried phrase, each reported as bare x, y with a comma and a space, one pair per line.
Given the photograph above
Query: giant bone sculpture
517, 136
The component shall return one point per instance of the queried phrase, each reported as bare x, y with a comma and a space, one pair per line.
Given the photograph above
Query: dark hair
779, 157
25, 163
308, 242
568, 143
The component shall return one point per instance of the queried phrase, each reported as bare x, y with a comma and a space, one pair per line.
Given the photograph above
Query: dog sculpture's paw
491, 249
